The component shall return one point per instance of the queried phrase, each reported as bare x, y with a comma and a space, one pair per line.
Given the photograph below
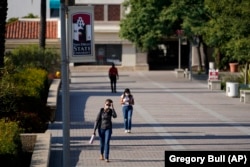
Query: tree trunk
3, 16
206, 61
42, 38
246, 73
199, 56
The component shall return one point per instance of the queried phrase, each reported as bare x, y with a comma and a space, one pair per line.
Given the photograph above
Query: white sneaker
129, 131
126, 131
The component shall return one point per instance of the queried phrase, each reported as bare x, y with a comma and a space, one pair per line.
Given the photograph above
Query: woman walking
104, 125
113, 76
127, 102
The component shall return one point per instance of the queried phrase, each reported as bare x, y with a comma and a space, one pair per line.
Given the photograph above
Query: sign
54, 4
81, 36
213, 74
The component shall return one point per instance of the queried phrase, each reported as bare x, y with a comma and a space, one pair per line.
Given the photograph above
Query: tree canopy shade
150, 21
142, 25
188, 15
223, 24
228, 28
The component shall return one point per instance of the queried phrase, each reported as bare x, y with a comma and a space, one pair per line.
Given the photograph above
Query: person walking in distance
127, 102
113, 76
104, 125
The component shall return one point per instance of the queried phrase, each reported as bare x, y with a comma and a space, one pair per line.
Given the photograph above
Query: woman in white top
127, 102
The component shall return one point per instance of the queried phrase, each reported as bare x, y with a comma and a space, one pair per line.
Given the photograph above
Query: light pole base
179, 73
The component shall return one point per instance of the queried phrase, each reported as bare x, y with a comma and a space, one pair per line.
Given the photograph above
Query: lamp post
65, 86
179, 33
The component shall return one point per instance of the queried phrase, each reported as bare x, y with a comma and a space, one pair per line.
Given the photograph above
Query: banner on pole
81, 34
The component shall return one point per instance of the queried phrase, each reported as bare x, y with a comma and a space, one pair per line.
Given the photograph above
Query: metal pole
179, 66
65, 88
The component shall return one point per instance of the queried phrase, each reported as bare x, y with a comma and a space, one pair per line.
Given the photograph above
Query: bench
245, 96
214, 84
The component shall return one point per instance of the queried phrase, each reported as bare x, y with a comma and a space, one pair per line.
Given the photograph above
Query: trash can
232, 89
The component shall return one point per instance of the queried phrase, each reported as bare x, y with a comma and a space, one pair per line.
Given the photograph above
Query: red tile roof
30, 30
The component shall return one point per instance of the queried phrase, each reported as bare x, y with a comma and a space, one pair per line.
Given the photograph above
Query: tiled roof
30, 30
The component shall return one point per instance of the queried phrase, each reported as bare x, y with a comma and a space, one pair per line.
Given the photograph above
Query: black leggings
113, 83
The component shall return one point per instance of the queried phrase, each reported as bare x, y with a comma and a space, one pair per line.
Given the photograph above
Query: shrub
8, 102
243, 73
32, 56
11, 154
10, 142
30, 82
229, 78
24, 98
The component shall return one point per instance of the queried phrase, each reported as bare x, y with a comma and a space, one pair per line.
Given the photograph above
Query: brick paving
169, 114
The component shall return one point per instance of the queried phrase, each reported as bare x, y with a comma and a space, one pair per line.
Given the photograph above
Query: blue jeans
104, 135
127, 115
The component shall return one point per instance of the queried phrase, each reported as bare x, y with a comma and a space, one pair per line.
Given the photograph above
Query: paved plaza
170, 114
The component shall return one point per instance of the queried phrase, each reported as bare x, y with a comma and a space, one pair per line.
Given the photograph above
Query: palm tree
3, 16
42, 37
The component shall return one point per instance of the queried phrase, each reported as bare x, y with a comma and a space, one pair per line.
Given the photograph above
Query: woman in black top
104, 125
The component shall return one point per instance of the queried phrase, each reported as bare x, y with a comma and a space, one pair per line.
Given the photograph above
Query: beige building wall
128, 55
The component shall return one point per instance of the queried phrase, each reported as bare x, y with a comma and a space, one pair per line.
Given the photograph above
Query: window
114, 12
54, 13
54, 6
107, 54
99, 12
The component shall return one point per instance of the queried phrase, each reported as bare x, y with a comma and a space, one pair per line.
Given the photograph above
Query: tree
141, 25
190, 16
150, 22
3, 16
228, 29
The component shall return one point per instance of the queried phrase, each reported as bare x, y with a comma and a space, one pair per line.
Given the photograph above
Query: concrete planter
39, 144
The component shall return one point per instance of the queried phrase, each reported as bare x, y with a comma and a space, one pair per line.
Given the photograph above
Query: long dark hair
127, 91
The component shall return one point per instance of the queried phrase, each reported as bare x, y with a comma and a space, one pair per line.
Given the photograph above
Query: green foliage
188, 15
228, 28
23, 98
11, 20
238, 50
8, 102
33, 122
150, 22
31, 16
10, 142
243, 74
141, 25
231, 78
32, 56
220, 24
27, 82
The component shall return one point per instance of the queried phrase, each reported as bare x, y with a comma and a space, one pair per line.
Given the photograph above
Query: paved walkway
169, 114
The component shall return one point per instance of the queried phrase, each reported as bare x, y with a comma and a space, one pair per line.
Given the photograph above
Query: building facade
109, 47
